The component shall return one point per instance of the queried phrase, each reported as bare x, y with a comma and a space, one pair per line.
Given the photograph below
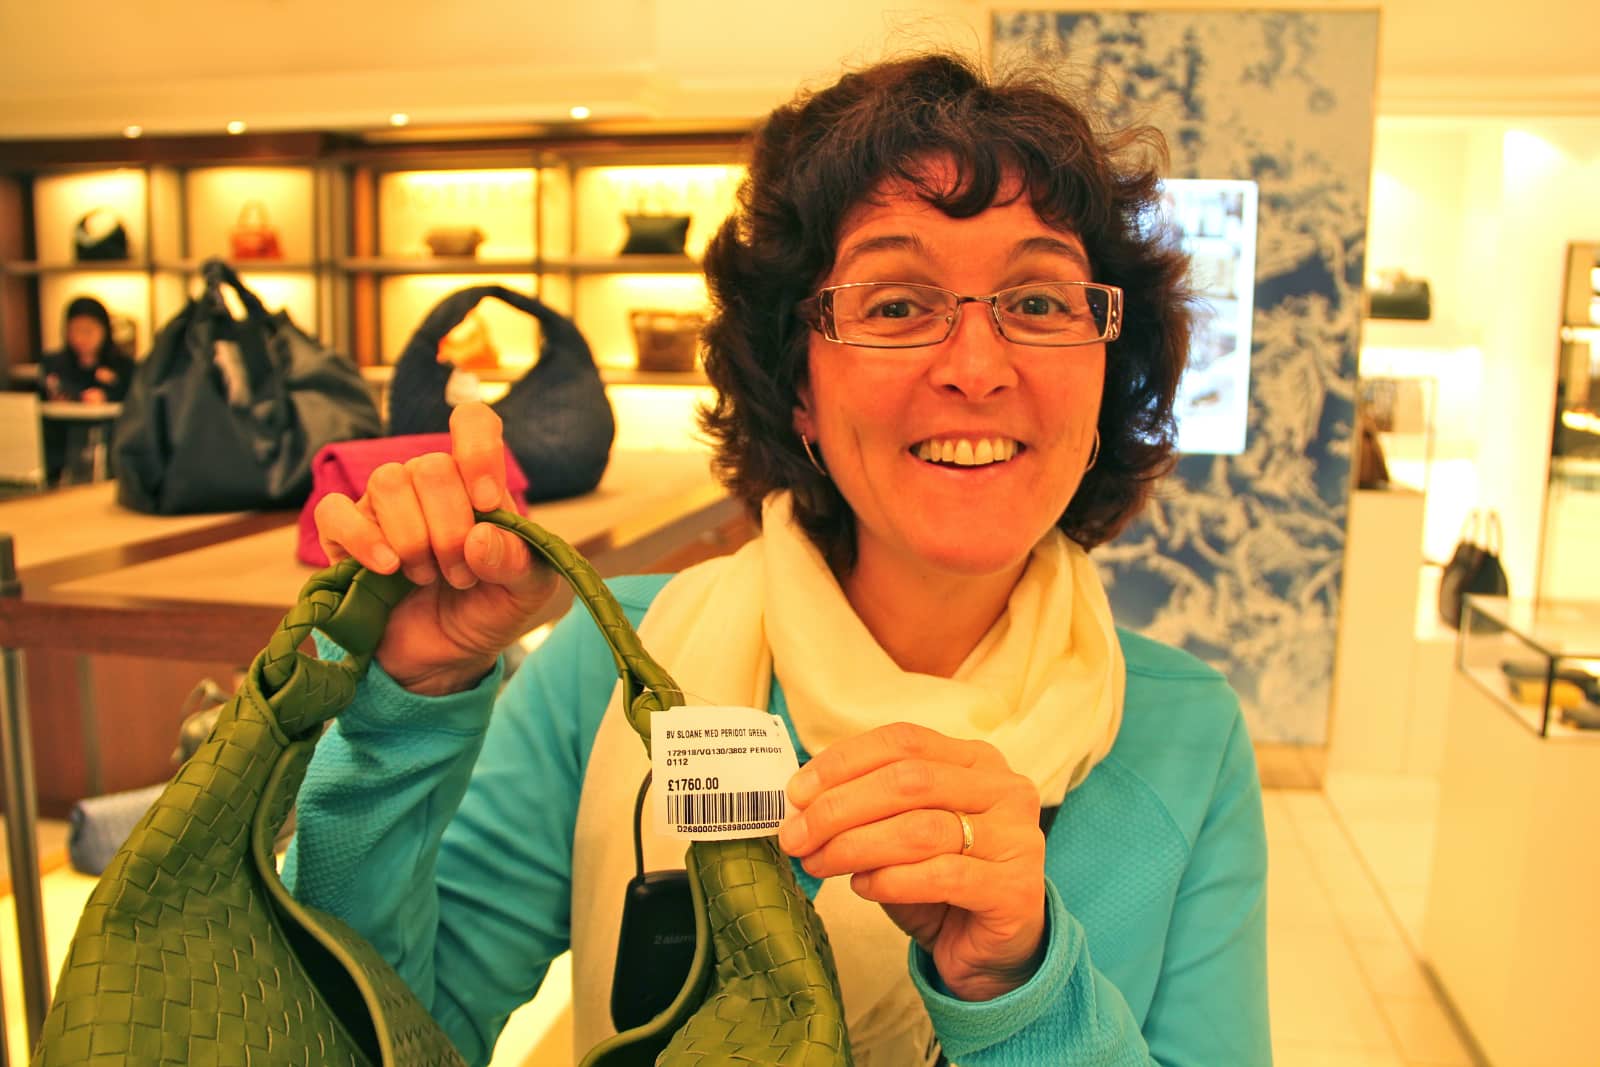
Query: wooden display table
161, 602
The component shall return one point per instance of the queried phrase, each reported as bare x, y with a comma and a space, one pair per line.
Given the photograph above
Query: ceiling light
131, 132
579, 112
236, 127
399, 118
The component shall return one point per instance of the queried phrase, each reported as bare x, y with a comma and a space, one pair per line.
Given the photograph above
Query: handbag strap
1469, 528
217, 273
1493, 536
351, 605
253, 214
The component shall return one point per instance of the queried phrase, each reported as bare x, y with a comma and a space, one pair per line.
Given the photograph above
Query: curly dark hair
816, 158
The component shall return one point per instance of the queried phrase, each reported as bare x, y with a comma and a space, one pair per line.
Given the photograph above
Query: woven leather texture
191, 951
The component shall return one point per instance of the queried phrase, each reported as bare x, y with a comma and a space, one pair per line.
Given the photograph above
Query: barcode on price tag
719, 773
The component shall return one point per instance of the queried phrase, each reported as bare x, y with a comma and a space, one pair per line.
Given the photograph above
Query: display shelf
243, 266
353, 221
469, 265
383, 374
436, 265
27, 267
624, 265
1568, 566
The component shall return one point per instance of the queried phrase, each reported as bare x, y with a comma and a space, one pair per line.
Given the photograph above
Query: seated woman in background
89, 368
947, 336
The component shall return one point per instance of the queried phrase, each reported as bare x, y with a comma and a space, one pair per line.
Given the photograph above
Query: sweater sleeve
1210, 1003
443, 834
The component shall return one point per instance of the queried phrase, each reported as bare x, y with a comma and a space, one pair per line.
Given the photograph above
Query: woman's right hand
479, 586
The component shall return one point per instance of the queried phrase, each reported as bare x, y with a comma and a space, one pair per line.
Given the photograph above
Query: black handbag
557, 418
100, 237
225, 415
1474, 567
1400, 296
655, 235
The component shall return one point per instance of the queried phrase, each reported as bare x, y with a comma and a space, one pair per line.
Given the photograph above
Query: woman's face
84, 337
874, 412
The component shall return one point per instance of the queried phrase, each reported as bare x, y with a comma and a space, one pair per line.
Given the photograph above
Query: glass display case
1540, 660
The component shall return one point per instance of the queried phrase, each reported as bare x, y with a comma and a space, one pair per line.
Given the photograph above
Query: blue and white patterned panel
1240, 559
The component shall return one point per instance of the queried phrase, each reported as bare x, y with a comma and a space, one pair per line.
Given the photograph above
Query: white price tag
718, 773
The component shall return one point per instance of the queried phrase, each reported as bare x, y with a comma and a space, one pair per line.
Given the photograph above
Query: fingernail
422, 574
461, 576
494, 551
801, 786
385, 558
792, 832
484, 494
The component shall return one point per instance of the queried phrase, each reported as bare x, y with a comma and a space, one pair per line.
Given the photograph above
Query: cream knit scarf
1044, 686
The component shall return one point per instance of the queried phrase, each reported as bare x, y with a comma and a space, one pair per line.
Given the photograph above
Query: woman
89, 368
1039, 839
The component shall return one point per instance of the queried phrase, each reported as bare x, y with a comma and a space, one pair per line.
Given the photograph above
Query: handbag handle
352, 605
561, 333
253, 214
218, 273
1493, 536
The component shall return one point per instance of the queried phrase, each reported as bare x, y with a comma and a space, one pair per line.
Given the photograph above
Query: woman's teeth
965, 453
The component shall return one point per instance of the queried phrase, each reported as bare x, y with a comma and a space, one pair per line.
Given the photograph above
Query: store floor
1346, 986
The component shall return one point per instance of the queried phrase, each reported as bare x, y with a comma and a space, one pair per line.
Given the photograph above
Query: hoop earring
805, 443
1094, 452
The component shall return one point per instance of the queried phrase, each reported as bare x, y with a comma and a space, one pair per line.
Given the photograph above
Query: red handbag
344, 467
254, 236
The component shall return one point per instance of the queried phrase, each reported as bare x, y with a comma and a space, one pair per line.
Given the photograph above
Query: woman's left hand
882, 807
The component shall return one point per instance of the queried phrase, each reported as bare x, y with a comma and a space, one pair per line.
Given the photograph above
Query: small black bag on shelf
557, 418
225, 415
655, 235
100, 237
1397, 295
1474, 567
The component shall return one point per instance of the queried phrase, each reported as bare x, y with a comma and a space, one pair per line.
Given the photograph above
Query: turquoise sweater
444, 834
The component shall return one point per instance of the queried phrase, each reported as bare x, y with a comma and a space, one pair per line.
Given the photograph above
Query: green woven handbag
191, 951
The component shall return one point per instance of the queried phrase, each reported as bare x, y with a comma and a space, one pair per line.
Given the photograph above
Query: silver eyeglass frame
817, 312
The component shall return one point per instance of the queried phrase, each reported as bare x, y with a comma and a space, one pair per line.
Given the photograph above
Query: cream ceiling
82, 67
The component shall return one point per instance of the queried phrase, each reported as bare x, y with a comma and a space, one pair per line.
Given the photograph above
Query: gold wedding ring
966, 832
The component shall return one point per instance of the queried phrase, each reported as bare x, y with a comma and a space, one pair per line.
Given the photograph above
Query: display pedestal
1511, 930
1372, 676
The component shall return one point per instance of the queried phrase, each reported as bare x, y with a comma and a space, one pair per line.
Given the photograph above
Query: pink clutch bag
345, 466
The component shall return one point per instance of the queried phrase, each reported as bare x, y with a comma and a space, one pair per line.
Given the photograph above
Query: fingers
346, 529
399, 513
909, 837
499, 556
896, 788
959, 881
478, 447
446, 515
879, 747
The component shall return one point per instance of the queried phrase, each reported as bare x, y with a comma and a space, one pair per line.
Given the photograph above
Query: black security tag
655, 948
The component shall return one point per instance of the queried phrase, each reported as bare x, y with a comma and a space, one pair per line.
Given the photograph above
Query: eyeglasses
908, 315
